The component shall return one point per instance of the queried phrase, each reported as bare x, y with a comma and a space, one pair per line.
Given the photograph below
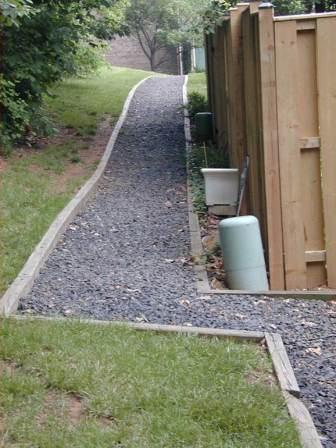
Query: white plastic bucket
221, 186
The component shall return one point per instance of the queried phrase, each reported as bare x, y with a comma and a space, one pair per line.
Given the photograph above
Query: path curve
126, 254
124, 257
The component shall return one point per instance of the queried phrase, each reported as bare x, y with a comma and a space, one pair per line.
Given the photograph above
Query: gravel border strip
24, 281
202, 282
281, 365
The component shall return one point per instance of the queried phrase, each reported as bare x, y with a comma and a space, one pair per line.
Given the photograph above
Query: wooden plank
324, 15
256, 336
313, 256
236, 102
254, 7
288, 116
326, 62
270, 146
251, 117
310, 166
310, 143
207, 48
303, 25
320, 294
308, 434
281, 364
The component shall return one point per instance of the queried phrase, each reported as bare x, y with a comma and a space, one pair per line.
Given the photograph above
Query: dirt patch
213, 259
260, 377
64, 406
3, 164
8, 368
69, 407
76, 409
89, 157
90, 151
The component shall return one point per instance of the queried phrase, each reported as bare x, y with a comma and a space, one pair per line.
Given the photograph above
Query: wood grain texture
307, 432
326, 63
281, 364
271, 147
288, 116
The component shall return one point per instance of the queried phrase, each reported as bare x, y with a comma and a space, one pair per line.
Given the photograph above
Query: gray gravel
125, 257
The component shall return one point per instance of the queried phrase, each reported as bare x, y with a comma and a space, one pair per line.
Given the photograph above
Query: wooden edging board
202, 282
25, 280
281, 365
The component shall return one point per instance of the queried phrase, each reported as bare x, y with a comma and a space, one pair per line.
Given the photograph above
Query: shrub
196, 103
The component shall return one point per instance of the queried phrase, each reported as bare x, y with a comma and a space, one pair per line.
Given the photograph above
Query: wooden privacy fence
272, 90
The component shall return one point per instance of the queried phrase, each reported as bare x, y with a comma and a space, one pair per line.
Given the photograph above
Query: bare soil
90, 152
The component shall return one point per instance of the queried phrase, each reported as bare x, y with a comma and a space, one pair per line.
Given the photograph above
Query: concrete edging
25, 280
202, 282
282, 368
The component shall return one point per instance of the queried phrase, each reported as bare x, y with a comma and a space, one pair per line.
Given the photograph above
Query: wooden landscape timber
288, 131
272, 341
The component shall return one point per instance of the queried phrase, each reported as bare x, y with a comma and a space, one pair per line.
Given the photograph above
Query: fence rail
272, 90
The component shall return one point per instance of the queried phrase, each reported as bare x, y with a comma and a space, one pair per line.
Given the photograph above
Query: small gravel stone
121, 257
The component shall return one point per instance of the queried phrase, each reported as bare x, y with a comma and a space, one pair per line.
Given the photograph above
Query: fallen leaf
216, 284
316, 350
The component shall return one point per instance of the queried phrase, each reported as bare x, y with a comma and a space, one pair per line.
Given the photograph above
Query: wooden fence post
236, 87
326, 63
271, 145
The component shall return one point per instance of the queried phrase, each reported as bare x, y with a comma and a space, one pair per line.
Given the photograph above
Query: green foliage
150, 21
196, 103
157, 23
15, 116
283, 7
12, 10
215, 14
45, 41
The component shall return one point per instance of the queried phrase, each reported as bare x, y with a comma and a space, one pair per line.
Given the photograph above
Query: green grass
197, 83
32, 190
82, 103
135, 390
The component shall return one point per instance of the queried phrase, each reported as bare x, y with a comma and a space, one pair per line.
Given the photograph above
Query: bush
196, 103
45, 42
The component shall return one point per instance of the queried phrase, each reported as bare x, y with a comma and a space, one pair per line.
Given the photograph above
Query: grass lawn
197, 83
70, 384
35, 184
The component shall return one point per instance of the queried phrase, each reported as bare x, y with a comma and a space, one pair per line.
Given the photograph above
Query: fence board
270, 147
256, 191
293, 231
326, 62
285, 120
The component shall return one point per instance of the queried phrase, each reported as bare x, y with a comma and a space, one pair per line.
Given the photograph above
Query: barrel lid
238, 221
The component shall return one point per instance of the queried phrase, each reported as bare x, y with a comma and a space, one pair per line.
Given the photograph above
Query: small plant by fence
272, 90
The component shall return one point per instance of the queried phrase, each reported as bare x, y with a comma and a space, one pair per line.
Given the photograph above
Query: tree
45, 40
149, 21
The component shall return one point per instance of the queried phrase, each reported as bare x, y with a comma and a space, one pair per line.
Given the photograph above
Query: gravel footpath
125, 257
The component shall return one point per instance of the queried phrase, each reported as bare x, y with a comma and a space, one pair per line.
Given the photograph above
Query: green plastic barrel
243, 254
203, 123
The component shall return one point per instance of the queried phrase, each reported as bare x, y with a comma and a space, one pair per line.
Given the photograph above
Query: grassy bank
197, 83
80, 385
36, 183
